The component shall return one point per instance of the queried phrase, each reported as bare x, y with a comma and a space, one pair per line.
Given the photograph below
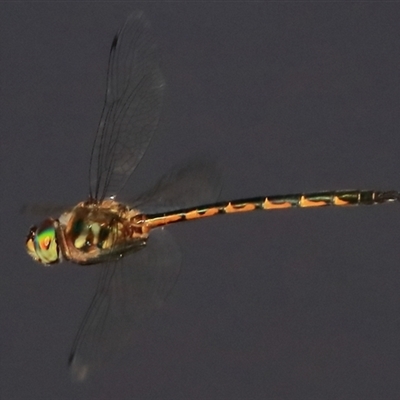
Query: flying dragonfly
102, 230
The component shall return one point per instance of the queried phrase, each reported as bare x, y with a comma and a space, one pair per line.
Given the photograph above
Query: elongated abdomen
275, 202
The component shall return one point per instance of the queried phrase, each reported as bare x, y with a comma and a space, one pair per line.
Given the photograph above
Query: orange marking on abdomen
339, 202
267, 205
163, 220
304, 202
234, 209
199, 214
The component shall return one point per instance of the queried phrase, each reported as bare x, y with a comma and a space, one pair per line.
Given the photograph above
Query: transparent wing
125, 296
188, 185
132, 107
43, 210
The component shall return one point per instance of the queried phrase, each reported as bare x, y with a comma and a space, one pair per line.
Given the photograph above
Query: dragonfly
139, 262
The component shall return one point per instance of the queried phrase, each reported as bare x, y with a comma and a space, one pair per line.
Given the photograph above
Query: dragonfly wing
125, 297
187, 185
131, 110
43, 210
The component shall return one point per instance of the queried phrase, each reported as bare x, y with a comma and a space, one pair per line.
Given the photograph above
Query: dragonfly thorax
94, 232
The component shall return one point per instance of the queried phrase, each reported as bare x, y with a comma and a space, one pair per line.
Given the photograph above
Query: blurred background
294, 304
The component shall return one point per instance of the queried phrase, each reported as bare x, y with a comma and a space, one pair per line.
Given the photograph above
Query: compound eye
42, 243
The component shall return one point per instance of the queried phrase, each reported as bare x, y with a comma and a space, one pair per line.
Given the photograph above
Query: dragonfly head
41, 242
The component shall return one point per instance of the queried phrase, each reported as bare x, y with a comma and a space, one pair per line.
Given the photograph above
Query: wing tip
78, 370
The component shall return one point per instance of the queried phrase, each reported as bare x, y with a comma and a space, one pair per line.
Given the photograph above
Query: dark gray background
295, 304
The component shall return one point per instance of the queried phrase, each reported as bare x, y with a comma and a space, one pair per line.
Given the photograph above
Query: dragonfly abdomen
275, 202
330, 198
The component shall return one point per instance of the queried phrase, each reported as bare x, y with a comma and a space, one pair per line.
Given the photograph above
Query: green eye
42, 244
45, 238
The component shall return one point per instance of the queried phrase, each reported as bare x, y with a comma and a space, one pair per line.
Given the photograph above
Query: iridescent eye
41, 243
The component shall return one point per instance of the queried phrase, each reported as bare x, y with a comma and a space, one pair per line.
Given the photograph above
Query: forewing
43, 210
126, 296
187, 185
132, 107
